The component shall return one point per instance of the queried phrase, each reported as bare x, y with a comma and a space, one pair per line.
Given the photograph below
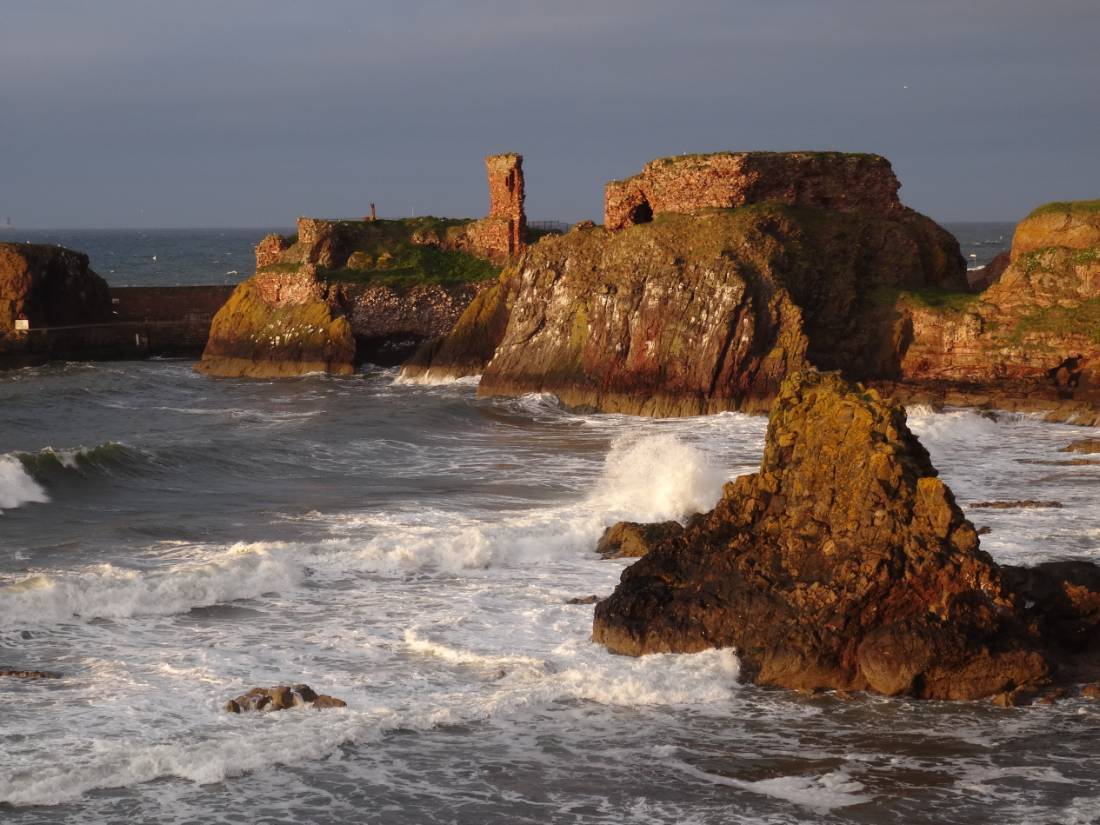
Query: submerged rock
282, 697
28, 674
845, 564
1083, 445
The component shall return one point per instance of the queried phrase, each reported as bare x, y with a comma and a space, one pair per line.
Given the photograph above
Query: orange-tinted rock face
270, 249
502, 235
727, 180
1042, 312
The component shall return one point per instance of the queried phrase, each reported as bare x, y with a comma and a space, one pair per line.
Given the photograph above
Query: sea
168, 541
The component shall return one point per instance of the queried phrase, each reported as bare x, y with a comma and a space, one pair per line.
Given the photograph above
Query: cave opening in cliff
641, 213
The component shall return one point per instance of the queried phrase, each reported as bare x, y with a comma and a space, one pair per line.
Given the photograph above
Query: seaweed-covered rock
279, 324
845, 563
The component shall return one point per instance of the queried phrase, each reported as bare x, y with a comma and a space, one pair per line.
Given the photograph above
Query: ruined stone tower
505, 174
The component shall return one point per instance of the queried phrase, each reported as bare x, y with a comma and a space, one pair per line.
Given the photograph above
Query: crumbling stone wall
501, 236
270, 249
727, 180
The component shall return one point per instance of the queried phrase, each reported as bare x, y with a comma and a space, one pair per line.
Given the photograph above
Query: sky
149, 113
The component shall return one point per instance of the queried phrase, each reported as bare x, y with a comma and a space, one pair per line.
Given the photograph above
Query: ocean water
168, 541
158, 257
185, 257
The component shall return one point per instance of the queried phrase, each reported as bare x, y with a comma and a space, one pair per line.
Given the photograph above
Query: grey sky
125, 113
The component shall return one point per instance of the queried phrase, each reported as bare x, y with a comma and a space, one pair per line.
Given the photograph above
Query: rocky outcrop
48, 286
1032, 339
691, 314
282, 697
279, 324
845, 564
340, 293
835, 181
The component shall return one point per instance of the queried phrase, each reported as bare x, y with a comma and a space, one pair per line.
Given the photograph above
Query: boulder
629, 539
282, 697
845, 563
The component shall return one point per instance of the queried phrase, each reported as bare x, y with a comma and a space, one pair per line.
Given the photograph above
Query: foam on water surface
412, 549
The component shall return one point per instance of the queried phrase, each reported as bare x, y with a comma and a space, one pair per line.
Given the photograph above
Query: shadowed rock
845, 563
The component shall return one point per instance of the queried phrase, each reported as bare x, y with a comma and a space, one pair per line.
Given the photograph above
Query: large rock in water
279, 324
845, 563
696, 309
49, 286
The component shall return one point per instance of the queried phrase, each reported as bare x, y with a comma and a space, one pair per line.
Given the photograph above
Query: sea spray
658, 477
16, 485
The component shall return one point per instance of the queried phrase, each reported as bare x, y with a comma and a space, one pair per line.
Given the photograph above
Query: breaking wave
16, 485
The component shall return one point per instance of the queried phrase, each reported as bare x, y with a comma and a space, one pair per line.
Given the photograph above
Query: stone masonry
727, 180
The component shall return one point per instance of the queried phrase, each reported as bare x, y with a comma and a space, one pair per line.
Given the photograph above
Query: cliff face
276, 325
845, 563
1042, 313
697, 313
49, 286
728, 180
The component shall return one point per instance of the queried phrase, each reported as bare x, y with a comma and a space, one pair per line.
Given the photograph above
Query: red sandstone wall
831, 180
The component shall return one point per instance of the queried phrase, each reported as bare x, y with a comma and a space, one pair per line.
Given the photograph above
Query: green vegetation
413, 265
1083, 319
1066, 207
1057, 259
384, 252
928, 298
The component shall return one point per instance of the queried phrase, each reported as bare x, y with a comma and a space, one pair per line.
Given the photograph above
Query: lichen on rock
845, 563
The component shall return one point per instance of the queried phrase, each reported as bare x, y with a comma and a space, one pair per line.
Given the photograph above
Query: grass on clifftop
382, 252
1083, 319
928, 298
1066, 207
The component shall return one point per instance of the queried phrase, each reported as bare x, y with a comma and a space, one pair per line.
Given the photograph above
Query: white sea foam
819, 793
16, 485
658, 477
428, 379
107, 591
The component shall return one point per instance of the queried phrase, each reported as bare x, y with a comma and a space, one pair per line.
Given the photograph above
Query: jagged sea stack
845, 563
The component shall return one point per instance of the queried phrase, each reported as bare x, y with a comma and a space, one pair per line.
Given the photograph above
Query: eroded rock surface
699, 313
728, 180
282, 697
279, 324
1032, 339
845, 563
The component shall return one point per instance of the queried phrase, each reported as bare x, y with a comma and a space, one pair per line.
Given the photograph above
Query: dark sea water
158, 257
168, 541
176, 257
